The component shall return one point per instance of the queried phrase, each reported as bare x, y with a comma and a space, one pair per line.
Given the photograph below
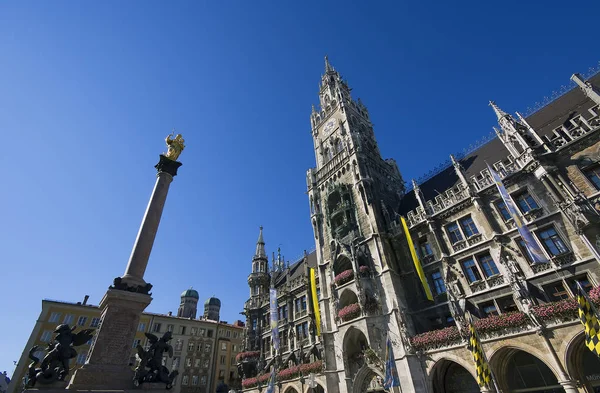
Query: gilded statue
174, 145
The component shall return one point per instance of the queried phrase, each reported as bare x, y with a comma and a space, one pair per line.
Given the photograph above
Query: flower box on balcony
436, 338
247, 355
349, 312
344, 277
506, 321
563, 310
364, 271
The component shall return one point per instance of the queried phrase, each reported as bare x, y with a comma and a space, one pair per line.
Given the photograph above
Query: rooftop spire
260, 245
328, 66
499, 112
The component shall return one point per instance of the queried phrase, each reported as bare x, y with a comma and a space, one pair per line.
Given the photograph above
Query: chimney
85, 299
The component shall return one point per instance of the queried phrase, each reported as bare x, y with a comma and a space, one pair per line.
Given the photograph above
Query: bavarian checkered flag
589, 319
484, 375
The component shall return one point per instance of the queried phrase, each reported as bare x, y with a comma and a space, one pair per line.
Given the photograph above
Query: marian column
107, 365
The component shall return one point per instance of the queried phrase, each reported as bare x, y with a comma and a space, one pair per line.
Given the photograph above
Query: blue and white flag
531, 246
391, 373
271, 383
274, 320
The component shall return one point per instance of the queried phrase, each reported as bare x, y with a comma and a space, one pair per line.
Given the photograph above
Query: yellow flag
315, 300
418, 266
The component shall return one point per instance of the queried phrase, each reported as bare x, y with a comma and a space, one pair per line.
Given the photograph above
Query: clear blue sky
89, 90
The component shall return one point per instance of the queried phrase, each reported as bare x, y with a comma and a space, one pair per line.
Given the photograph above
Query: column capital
166, 165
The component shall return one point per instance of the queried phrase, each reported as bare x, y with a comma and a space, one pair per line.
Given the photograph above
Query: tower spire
328, 67
499, 112
260, 245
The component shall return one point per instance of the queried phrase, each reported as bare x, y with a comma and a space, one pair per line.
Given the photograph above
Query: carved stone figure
150, 367
55, 365
175, 146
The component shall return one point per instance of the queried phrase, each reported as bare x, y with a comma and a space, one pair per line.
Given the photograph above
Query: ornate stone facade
467, 243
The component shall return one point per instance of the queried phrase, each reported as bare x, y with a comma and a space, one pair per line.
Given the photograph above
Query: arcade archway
451, 377
583, 364
518, 371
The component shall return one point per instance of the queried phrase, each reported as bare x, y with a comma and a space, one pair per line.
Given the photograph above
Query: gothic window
488, 265
593, 175
454, 233
184, 380
438, 283
489, 309
468, 226
501, 206
552, 242
425, 248
556, 291
526, 202
471, 270
195, 380
254, 324
178, 345
191, 346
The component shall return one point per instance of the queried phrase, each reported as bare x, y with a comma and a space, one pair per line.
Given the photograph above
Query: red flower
435, 338
247, 355
349, 312
344, 277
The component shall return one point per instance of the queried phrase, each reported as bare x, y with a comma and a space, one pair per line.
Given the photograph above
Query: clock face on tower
329, 125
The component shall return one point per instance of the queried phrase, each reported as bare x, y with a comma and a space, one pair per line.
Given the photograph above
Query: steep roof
296, 269
543, 121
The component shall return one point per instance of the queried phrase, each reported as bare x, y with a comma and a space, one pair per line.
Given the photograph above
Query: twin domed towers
189, 306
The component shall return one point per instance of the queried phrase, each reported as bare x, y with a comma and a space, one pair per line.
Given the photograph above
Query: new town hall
467, 243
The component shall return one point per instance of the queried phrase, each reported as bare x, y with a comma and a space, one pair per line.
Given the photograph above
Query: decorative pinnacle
415, 184
328, 66
499, 112
260, 245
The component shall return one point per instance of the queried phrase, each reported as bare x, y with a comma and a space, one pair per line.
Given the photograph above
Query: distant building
467, 243
204, 350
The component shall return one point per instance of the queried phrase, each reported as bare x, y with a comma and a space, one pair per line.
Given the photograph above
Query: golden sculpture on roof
175, 146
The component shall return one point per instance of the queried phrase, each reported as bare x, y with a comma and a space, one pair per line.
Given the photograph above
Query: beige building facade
204, 350
473, 257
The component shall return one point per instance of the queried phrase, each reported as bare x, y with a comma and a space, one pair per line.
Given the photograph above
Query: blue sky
89, 90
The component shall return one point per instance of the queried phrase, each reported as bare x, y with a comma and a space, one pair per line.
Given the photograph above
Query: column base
569, 386
107, 366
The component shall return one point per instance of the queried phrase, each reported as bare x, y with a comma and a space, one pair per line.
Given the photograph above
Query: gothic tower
258, 281
353, 193
189, 304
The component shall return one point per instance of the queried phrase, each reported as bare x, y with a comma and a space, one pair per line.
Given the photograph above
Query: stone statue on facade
522, 295
174, 146
55, 365
150, 368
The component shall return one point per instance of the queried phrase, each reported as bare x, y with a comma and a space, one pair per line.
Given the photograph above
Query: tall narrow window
454, 233
488, 265
425, 248
526, 202
468, 226
471, 270
438, 283
552, 242
503, 210
593, 175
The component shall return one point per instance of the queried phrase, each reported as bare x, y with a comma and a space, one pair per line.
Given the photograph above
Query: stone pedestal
107, 366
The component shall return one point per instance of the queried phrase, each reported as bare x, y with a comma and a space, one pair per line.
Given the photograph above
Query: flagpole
484, 355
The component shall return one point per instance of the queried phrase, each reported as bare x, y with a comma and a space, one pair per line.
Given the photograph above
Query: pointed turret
328, 67
499, 112
260, 246
588, 89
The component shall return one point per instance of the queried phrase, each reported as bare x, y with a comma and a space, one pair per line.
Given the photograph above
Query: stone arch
347, 297
318, 389
290, 389
341, 264
582, 364
518, 369
355, 342
368, 379
453, 376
